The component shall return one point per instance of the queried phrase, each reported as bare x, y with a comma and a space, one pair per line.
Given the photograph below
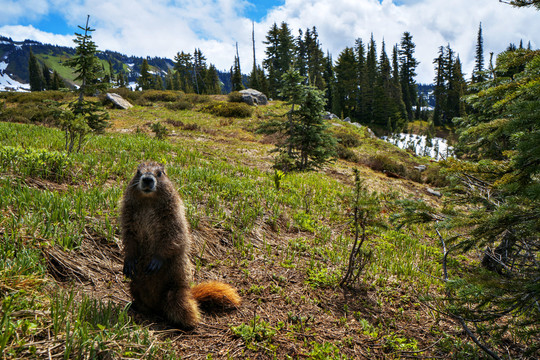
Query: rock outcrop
253, 97
118, 101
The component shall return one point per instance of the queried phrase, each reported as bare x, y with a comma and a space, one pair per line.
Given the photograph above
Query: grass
283, 241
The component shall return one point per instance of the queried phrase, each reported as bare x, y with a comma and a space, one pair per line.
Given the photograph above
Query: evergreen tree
330, 81
47, 80
498, 192
308, 144
182, 77
86, 64
478, 74
449, 87
36, 75
145, 79
362, 94
236, 74
408, 66
88, 70
439, 92
314, 59
212, 82
371, 71
199, 71
279, 56
254, 82
57, 82
346, 83
381, 102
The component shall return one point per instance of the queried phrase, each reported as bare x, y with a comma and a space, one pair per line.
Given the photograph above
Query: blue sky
165, 27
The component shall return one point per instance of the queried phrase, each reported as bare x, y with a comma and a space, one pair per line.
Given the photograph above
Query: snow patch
7, 83
436, 148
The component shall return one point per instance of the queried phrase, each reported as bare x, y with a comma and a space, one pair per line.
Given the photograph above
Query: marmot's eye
158, 173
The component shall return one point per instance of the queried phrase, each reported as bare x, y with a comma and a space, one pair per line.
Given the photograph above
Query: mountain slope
15, 54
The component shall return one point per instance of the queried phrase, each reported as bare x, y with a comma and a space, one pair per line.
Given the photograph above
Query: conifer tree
212, 81
330, 81
88, 70
35, 73
145, 79
236, 75
314, 59
47, 80
308, 145
279, 56
498, 192
371, 77
56, 82
478, 71
182, 67
346, 93
86, 64
254, 82
362, 93
408, 66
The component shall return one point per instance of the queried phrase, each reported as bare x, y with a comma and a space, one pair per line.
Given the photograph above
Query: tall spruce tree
279, 56
236, 75
371, 73
308, 145
89, 72
35, 73
478, 74
145, 80
408, 66
86, 64
182, 72
47, 80
498, 193
346, 83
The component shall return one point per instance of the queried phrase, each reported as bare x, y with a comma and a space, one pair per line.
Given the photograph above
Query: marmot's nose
148, 182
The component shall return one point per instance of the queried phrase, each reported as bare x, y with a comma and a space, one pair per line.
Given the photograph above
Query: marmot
157, 241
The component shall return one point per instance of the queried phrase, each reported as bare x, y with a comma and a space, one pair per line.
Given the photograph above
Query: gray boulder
253, 97
118, 101
330, 116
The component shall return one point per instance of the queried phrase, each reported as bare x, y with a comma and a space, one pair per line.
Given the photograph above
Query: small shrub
347, 154
196, 98
49, 165
226, 122
257, 331
175, 123
28, 112
221, 108
347, 138
433, 176
159, 130
235, 96
383, 163
179, 105
161, 95
191, 127
37, 96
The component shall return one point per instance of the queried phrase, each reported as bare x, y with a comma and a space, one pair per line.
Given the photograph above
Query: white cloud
19, 33
165, 27
13, 10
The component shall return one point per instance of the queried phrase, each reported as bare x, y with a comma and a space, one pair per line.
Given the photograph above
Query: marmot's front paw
129, 268
154, 265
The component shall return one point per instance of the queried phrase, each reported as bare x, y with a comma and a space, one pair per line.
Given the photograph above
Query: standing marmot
157, 242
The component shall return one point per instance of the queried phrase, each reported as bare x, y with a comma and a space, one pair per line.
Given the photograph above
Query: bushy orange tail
216, 294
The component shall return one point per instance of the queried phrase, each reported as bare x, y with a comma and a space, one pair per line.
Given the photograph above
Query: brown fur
157, 241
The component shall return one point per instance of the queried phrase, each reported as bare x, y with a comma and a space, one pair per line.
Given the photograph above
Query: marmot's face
147, 178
